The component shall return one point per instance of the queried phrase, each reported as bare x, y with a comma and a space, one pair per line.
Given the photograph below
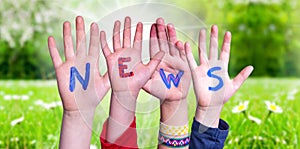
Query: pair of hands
166, 53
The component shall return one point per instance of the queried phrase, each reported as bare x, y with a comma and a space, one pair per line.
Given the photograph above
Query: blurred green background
265, 34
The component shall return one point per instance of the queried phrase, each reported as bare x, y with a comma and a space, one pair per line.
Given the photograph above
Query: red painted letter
122, 74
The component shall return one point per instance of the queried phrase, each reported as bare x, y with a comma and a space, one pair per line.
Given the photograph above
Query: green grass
41, 127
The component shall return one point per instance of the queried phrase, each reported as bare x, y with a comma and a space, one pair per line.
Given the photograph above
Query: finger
241, 77
116, 36
180, 47
213, 50
154, 62
147, 86
202, 47
102, 85
94, 40
138, 38
172, 40
225, 52
56, 59
105, 49
80, 36
190, 57
183, 53
154, 46
68, 43
127, 33
106, 81
162, 36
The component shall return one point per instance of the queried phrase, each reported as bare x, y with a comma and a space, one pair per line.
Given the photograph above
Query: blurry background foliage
265, 33
25, 26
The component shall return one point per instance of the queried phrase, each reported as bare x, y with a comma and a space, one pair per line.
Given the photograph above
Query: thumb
241, 77
155, 60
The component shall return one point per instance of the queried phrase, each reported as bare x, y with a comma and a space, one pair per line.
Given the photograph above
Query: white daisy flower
236, 139
24, 97
30, 93
39, 102
254, 119
15, 139
7, 97
52, 105
258, 138
241, 107
51, 137
17, 121
291, 94
277, 139
33, 142
290, 97
283, 141
273, 107
92, 146
16, 97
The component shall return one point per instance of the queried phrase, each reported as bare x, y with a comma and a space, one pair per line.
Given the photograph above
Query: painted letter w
170, 78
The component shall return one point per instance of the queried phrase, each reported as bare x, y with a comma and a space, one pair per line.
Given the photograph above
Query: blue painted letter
209, 73
84, 82
170, 78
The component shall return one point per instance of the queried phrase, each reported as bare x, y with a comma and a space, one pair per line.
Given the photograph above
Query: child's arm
127, 76
170, 83
212, 87
80, 85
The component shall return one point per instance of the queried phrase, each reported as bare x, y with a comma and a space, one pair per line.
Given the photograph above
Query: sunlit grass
40, 127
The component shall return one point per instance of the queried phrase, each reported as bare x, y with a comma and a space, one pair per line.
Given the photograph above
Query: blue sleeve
203, 137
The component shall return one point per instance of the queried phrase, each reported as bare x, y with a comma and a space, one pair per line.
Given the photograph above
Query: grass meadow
30, 115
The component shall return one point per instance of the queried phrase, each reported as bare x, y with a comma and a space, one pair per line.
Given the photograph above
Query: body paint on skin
74, 73
210, 74
122, 67
170, 78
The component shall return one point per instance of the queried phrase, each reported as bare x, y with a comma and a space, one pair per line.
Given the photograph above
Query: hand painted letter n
84, 82
170, 78
122, 67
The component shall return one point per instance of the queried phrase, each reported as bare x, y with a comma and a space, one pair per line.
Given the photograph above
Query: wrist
208, 116
172, 104
79, 116
76, 130
125, 94
121, 115
174, 112
123, 106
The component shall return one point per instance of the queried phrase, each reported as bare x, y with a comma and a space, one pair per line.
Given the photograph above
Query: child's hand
81, 87
212, 84
85, 94
173, 64
127, 76
126, 71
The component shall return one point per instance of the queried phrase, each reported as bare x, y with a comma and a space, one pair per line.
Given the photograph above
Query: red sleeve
128, 140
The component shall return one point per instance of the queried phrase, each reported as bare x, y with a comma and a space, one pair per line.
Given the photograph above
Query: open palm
212, 84
125, 67
78, 97
173, 64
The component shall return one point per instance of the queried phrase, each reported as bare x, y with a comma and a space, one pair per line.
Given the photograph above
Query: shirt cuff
220, 133
128, 140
